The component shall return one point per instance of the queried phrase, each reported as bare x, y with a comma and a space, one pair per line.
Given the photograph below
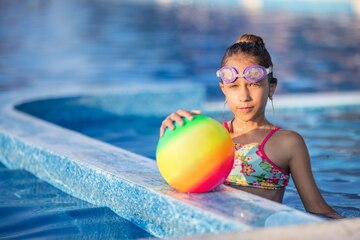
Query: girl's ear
272, 89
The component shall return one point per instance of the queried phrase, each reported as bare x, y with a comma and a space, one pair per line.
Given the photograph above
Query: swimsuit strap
226, 126
264, 155
268, 136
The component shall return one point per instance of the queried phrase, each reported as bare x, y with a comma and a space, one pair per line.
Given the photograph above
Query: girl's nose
244, 94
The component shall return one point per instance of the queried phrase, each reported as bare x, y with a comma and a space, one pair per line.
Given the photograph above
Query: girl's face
246, 100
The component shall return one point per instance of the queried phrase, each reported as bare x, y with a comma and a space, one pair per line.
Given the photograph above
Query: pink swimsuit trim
251, 172
261, 147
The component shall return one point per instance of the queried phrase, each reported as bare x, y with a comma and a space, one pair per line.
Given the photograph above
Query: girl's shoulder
288, 133
285, 145
288, 137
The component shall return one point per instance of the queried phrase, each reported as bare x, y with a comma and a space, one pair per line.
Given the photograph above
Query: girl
265, 154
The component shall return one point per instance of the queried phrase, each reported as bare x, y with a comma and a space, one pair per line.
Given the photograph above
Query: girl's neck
242, 127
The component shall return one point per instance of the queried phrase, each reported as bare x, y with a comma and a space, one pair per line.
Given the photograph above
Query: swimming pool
332, 135
82, 46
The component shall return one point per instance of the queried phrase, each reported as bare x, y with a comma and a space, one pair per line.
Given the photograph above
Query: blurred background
315, 45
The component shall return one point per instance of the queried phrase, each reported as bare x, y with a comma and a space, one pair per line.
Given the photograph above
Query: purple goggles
254, 73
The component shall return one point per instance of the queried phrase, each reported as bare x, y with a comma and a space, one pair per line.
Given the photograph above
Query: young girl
265, 154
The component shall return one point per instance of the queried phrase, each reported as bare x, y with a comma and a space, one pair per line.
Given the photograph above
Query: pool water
333, 139
164, 42
31, 209
332, 136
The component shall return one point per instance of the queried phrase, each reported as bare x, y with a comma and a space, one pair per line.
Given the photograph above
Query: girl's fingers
177, 117
184, 113
161, 131
169, 122
163, 127
195, 111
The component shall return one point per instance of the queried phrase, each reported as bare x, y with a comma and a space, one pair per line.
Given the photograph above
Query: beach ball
195, 157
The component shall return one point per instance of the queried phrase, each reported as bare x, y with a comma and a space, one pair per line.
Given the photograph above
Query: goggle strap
269, 70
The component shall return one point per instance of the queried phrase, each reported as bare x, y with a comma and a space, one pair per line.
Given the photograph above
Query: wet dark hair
252, 46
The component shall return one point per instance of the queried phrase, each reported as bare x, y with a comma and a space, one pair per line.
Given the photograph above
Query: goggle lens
254, 74
227, 74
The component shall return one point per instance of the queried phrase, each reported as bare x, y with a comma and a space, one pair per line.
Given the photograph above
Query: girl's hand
176, 117
331, 215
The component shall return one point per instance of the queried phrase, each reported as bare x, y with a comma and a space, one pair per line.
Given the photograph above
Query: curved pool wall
127, 183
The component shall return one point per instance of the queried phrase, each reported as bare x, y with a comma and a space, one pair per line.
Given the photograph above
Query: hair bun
251, 38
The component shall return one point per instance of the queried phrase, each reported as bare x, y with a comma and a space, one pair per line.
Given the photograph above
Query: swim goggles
254, 73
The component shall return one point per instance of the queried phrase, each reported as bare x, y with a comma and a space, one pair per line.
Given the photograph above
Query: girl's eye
233, 86
254, 84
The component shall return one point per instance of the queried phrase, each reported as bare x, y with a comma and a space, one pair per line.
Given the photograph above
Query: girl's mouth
245, 109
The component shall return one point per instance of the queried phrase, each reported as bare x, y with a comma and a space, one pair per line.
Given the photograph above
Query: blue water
314, 45
333, 139
33, 209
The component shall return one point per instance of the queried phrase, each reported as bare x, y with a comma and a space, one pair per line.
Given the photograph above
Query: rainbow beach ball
195, 157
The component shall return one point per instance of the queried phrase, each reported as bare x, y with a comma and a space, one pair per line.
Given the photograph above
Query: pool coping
109, 176
348, 229
305, 101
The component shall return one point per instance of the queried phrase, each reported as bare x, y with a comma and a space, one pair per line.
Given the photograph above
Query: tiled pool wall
127, 183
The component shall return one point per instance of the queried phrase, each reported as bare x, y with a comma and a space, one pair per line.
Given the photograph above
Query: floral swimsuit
252, 168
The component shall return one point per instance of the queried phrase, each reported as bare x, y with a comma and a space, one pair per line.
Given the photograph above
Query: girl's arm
300, 168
